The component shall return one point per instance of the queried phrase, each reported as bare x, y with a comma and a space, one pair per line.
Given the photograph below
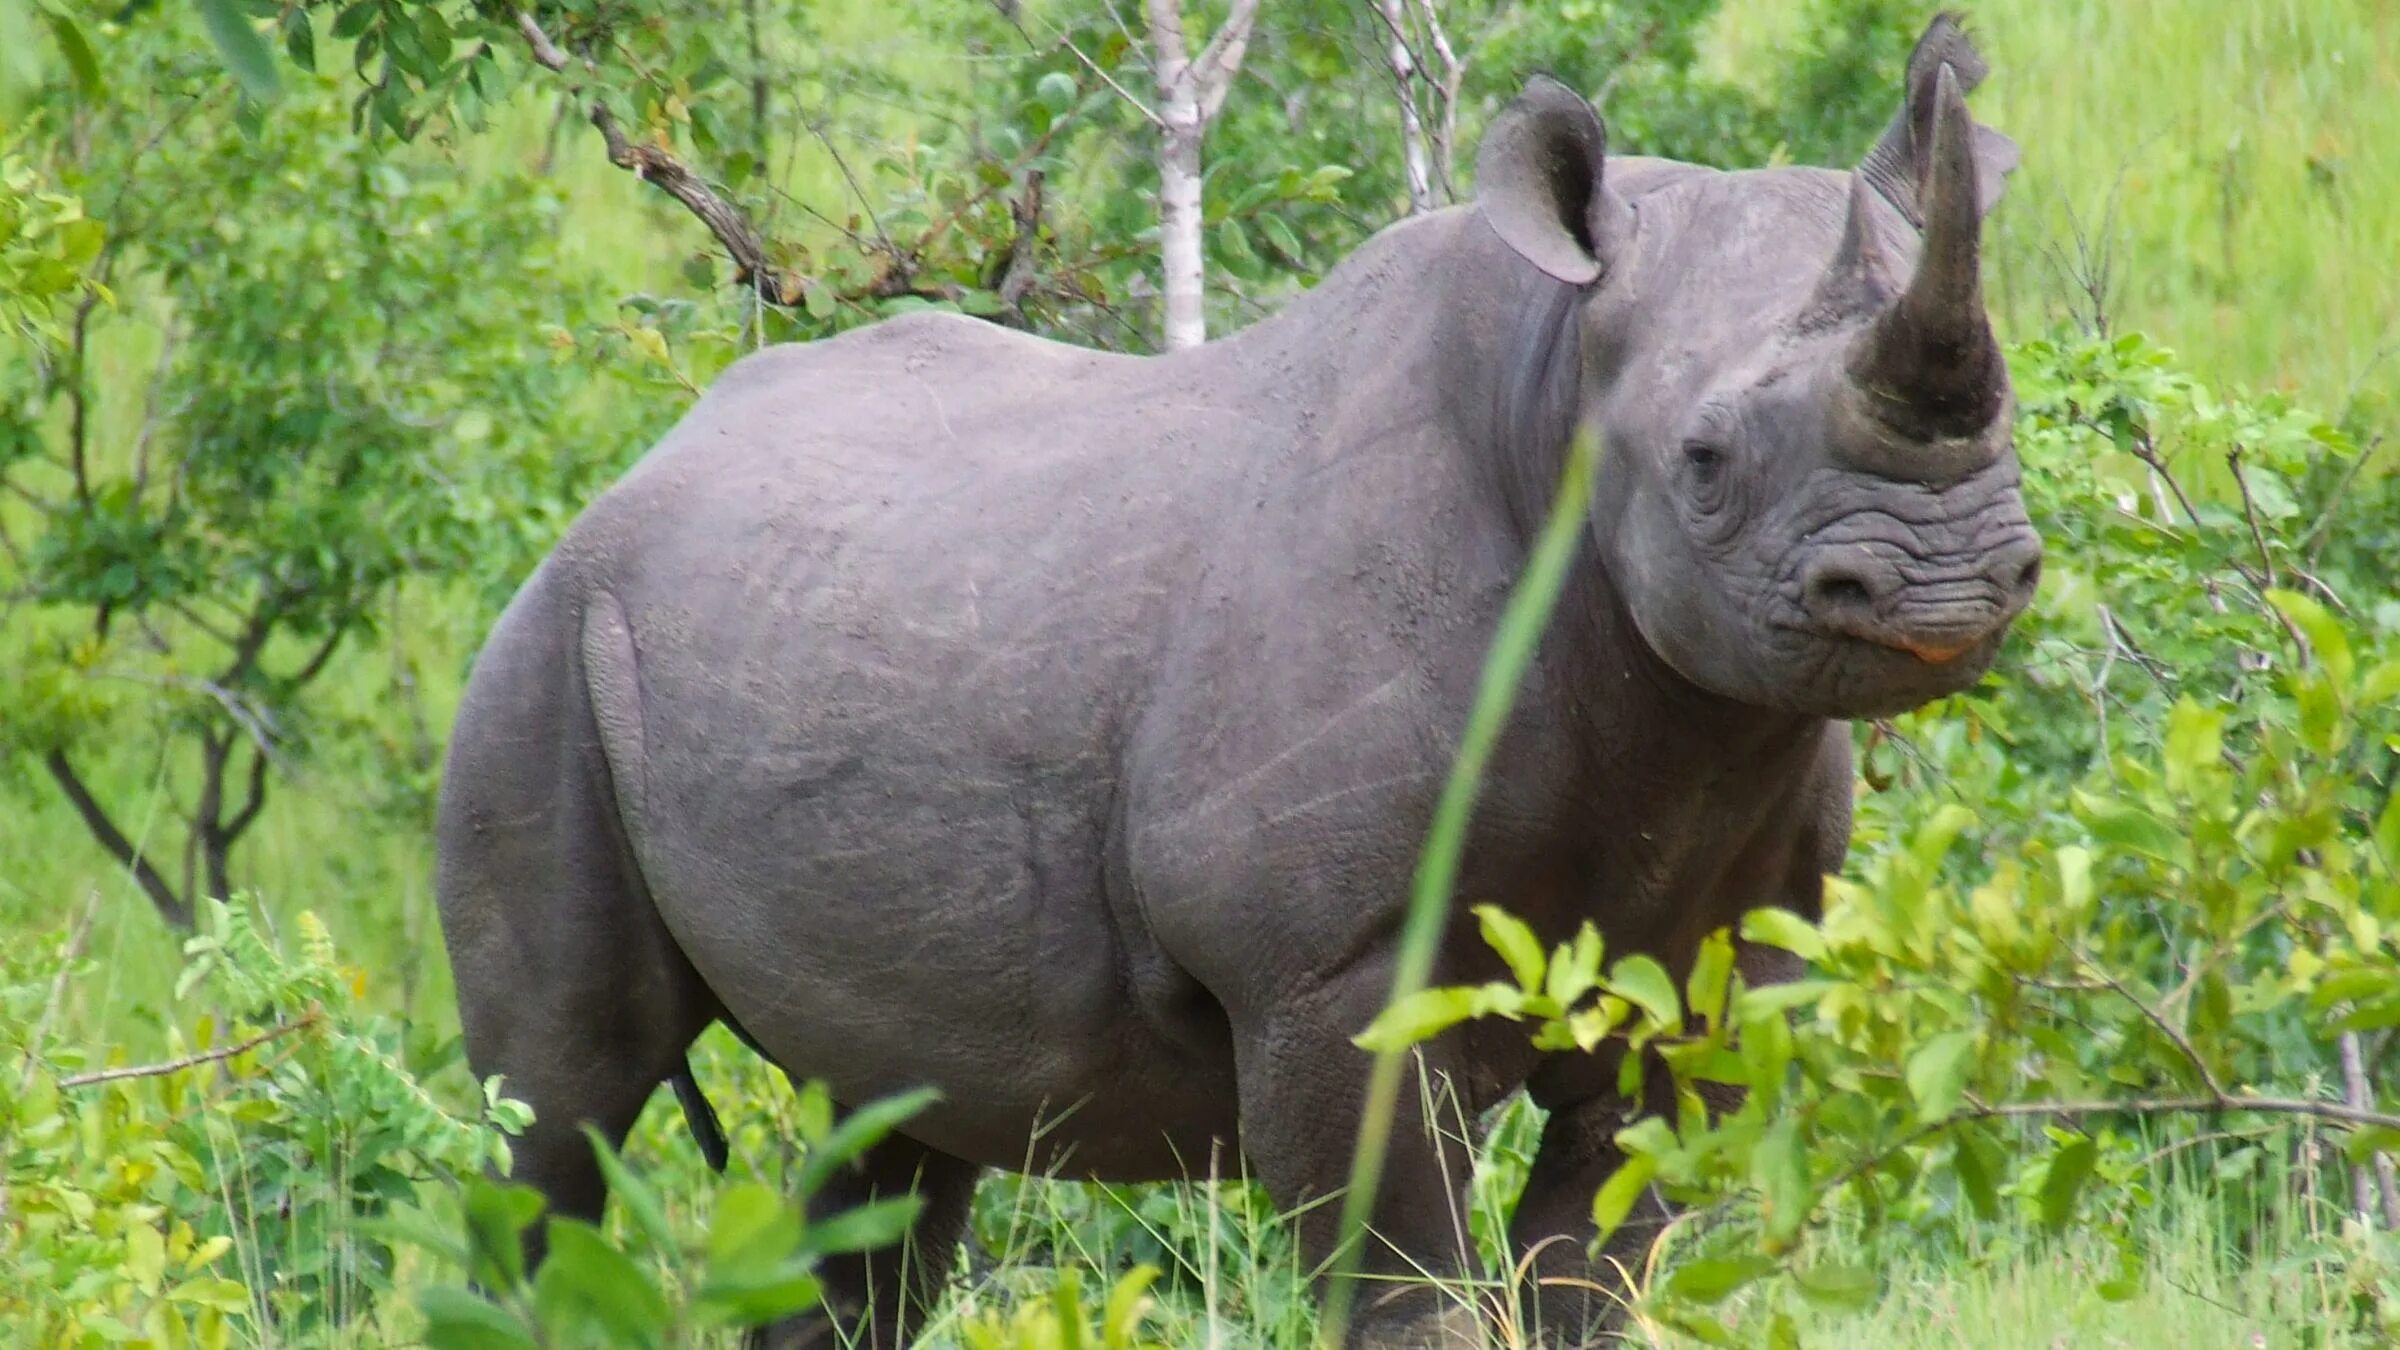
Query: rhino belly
955, 936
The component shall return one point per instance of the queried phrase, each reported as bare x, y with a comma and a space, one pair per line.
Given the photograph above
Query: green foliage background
349, 312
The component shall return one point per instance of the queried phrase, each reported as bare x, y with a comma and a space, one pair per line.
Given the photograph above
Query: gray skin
940, 705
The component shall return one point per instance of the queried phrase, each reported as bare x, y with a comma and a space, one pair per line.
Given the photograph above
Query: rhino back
885, 601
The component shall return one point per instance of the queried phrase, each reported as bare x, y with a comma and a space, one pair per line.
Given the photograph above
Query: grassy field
2226, 177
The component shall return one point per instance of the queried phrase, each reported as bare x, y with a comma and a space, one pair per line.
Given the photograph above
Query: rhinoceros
940, 705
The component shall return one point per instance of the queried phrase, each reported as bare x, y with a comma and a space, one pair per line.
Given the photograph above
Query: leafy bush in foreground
2133, 898
212, 1198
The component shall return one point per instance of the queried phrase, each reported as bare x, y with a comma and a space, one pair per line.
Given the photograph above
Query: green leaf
2195, 740
1979, 1160
1778, 999
1705, 989
1508, 935
1574, 967
1617, 1195
633, 1193
1780, 1171
300, 40
245, 52
859, 1131
753, 1225
1420, 1017
497, 1217
1056, 91
755, 1298
82, 62
584, 1273
1937, 1073
878, 1223
1784, 929
2130, 827
354, 18
2324, 633
1645, 984
2070, 1168
458, 1320
1128, 1305
1710, 1281
1841, 1288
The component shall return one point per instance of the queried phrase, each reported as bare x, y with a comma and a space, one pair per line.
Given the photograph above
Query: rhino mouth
1847, 676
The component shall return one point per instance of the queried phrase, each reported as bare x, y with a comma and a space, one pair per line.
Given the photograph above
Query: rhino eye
1707, 465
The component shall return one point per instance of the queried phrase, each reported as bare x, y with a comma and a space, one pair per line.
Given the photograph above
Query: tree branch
301, 1023
254, 798
1221, 59
170, 906
545, 52
668, 174
660, 168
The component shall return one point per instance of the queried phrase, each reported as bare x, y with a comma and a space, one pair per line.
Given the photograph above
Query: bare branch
1105, 78
67, 953
254, 797
274, 1033
545, 51
668, 174
171, 906
1221, 59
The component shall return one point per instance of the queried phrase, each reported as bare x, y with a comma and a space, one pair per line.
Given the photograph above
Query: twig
545, 51
662, 170
67, 954
302, 1023
2183, 1043
1122, 92
2258, 538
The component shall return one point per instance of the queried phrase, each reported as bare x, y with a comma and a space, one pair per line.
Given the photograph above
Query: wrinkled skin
944, 706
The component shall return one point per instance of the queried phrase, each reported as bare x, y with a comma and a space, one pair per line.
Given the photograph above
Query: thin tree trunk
1190, 91
1412, 124
2357, 1092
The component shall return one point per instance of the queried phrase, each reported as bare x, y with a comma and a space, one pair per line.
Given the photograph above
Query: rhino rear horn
1928, 361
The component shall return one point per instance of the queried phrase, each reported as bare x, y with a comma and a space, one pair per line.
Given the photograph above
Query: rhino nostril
1836, 592
1844, 592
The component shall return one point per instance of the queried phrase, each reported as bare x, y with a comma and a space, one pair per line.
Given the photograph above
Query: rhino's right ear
1539, 181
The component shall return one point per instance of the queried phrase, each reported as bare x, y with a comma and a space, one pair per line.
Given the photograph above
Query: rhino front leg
1576, 1297
1303, 1084
1571, 1298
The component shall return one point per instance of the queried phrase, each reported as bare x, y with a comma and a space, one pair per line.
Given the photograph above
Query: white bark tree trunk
1412, 125
1190, 91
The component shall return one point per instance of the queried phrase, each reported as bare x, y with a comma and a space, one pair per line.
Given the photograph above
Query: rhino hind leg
569, 985
879, 1298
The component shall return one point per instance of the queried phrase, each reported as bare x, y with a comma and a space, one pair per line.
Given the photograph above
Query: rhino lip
1937, 653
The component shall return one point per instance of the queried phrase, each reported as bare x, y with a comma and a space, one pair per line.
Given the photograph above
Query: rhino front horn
1929, 363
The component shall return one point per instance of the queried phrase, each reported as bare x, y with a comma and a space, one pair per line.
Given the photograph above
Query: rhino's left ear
1900, 162
1539, 181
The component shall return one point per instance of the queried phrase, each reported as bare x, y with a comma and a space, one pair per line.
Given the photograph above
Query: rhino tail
707, 1131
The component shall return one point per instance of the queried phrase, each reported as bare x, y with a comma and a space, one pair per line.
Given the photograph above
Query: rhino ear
1539, 182
1901, 162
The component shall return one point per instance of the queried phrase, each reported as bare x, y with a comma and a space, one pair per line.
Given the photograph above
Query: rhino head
1809, 497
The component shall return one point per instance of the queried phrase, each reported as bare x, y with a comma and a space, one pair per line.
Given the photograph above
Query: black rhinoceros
944, 706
